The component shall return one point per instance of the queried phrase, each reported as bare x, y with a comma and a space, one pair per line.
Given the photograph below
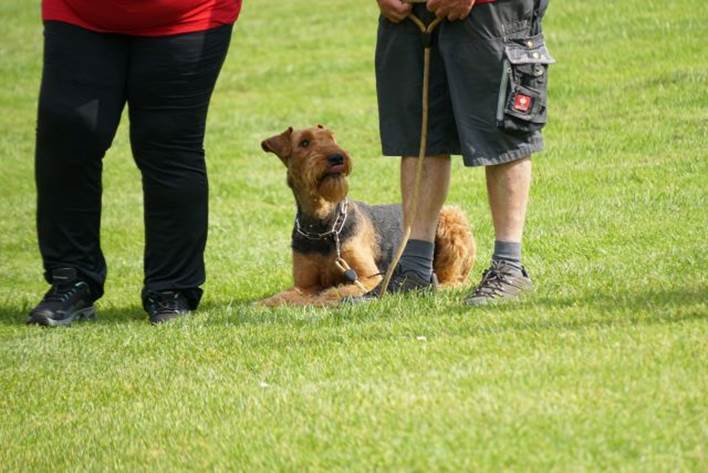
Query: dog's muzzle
336, 164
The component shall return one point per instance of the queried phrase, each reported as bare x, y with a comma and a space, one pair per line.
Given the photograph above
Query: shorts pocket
523, 91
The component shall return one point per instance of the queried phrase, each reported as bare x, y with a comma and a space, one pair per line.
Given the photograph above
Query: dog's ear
279, 145
322, 127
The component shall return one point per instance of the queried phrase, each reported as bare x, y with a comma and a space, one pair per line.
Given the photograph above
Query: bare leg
434, 185
508, 189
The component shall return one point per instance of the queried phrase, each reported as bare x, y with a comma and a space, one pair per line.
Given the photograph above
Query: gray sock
509, 252
418, 257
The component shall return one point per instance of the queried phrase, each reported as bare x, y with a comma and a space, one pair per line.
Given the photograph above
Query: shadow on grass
593, 311
622, 301
16, 315
597, 309
538, 312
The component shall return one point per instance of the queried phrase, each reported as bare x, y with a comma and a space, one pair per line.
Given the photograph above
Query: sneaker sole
490, 301
89, 313
164, 319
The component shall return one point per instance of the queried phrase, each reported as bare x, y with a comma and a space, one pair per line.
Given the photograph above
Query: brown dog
342, 248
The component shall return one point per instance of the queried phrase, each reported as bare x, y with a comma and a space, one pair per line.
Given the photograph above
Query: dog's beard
333, 187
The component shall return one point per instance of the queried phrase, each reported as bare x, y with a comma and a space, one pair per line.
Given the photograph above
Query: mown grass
603, 368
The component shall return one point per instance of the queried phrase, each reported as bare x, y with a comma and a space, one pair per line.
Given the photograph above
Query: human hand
394, 10
451, 9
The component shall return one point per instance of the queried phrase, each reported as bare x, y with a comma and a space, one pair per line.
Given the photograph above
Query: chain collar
347, 271
337, 226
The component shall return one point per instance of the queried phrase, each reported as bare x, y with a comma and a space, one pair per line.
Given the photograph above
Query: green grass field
604, 367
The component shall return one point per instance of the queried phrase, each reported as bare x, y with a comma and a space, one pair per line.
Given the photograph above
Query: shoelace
59, 294
165, 302
492, 281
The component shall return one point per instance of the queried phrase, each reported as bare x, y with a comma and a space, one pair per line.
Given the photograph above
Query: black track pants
167, 83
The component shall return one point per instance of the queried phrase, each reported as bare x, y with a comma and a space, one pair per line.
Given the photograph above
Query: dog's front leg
306, 274
362, 261
334, 295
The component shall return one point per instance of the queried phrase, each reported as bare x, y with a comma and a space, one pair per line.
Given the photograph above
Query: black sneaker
67, 300
402, 282
165, 306
500, 282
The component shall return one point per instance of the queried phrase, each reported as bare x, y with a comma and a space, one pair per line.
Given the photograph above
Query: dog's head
317, 166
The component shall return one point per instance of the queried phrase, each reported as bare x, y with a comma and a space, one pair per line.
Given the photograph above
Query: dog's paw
290, 297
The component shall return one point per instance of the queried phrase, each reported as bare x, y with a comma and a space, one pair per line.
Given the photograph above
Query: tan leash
408, 220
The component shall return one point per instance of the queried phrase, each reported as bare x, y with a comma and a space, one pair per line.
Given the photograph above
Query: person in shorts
488, 97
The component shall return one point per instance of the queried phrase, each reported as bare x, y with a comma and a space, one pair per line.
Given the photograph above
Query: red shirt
143, 17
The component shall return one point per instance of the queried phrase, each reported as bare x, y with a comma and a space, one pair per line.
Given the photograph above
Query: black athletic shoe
165, 306
500, 282
402, 282
67, 300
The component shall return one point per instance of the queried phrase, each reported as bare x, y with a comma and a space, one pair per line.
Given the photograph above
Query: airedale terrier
342, 248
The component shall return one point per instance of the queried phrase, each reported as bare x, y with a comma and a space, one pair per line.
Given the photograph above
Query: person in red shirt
161, 58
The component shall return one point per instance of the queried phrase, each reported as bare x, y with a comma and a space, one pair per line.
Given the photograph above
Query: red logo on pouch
522, 103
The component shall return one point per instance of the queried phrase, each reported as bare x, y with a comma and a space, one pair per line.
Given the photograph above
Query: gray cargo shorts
488, 84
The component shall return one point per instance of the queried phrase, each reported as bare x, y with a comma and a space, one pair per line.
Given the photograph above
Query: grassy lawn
604, 367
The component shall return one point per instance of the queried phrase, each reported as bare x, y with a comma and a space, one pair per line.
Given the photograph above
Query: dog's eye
305, 143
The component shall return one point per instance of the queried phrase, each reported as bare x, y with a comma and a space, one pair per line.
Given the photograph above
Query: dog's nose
335, 159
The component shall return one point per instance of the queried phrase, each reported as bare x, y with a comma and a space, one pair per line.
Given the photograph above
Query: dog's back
454, 244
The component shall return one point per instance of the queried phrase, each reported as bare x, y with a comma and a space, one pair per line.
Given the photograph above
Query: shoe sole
491, 301
168, 318
88, 313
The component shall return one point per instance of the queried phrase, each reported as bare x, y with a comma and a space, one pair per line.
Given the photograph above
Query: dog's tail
454, 247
